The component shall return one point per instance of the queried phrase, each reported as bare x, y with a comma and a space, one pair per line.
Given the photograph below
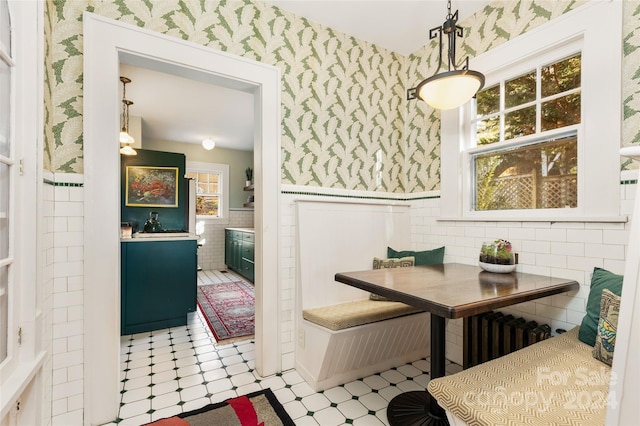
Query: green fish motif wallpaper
345, 121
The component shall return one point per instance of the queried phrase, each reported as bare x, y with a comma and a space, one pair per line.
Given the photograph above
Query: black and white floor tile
169, 371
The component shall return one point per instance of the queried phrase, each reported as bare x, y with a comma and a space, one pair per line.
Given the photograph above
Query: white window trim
598, 196
223, 207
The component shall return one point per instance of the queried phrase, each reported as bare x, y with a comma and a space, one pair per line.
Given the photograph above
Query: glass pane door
6, 163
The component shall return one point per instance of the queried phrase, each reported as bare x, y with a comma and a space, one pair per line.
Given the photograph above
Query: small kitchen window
207, 192
211, 189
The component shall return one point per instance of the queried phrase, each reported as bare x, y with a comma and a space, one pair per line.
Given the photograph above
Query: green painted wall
343, 99
170, 217
237, 160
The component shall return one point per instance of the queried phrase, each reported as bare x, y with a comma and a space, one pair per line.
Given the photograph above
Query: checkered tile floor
180, 369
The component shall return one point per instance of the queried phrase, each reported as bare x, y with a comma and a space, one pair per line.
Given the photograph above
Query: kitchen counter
241, 229
136, 238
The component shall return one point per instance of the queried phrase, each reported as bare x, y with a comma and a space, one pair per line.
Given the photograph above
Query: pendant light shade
127, 150
125, 137
454, 87
450, 89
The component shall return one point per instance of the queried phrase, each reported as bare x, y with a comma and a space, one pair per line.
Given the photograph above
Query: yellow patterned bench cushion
554, 382
359, 312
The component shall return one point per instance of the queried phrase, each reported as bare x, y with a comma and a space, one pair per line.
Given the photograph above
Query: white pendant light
125, 138
127, 150
454, 87
208, 144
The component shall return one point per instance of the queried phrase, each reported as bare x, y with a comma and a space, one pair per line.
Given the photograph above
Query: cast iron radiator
490, 335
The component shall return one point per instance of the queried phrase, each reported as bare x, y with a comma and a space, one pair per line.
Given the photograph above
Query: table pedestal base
416, 408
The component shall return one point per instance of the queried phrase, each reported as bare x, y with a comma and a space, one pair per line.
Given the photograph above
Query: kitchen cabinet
239, 252
159, 283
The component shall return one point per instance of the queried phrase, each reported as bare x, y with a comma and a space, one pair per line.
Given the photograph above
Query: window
541, 140
207, 192
212, 189
537, 111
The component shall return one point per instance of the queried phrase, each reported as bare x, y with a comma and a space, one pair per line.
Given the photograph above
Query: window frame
223, 188
598, 144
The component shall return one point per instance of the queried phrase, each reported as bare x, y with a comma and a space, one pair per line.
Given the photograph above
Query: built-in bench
556, 381
343, 342
339, 335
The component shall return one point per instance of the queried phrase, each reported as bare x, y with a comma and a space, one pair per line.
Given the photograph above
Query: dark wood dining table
446, 291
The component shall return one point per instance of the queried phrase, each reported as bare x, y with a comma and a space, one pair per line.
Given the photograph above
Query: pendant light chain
125, 111
125, 104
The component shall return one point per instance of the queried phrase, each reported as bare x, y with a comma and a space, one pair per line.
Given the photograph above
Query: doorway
106, 43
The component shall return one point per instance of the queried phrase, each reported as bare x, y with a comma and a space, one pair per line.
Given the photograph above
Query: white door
7, 187
20, 130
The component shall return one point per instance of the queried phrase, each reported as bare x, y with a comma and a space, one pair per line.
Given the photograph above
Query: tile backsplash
211, 254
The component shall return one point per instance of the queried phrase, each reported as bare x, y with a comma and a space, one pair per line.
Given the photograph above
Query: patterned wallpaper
346, 123
342, 120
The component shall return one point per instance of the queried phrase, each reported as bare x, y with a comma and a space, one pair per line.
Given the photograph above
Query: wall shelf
249, 204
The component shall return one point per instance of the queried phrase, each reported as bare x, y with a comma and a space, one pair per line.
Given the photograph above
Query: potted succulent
497, 252
249, 174
497, 256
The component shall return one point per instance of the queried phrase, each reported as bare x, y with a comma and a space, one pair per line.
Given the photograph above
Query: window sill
612, 219
18, 381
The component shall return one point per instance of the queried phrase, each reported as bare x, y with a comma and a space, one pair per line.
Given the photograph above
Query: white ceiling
399, 25
189, 108
182, 109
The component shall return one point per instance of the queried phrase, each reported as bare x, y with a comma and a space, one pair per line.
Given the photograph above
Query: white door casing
105, 43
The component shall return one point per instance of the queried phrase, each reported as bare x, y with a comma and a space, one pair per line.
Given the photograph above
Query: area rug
229, 309
255, 409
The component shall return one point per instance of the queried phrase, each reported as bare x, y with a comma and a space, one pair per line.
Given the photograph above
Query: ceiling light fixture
454, 87
208, 144
126, 140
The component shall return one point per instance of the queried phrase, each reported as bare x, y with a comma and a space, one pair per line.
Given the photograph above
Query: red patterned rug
228, 309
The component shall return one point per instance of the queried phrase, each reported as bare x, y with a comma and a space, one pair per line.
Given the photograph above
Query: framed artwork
148, 186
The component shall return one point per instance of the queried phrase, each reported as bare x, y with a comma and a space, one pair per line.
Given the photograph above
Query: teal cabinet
159, 284
239, 252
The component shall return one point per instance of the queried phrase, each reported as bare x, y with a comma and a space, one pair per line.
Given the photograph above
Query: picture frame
151, 186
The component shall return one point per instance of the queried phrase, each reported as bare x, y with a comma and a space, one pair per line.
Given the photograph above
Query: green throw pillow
600, 280
607, 327
427, 257
389, 263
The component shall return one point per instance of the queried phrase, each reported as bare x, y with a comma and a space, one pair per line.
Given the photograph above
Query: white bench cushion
359, 312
